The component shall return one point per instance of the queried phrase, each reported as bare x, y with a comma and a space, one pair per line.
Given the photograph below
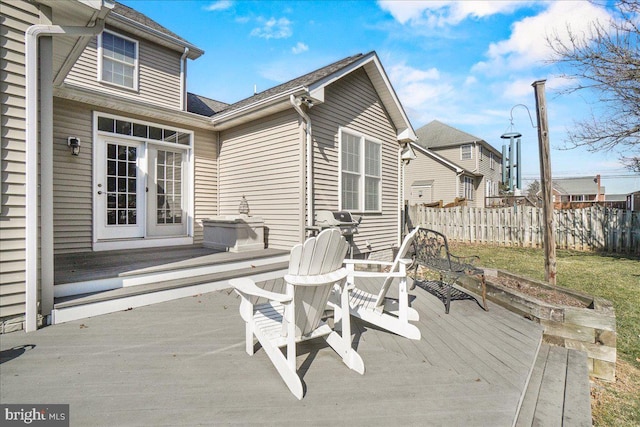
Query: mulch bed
548, 295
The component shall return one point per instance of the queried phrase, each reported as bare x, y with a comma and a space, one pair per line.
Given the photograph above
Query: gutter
32, 35
219, 120
296, 102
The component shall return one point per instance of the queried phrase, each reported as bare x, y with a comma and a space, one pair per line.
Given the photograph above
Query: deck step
88, 305
558, 393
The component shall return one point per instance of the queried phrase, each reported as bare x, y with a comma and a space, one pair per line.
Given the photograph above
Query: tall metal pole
546, 183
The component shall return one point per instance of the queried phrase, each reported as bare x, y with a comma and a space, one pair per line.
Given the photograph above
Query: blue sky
463, 63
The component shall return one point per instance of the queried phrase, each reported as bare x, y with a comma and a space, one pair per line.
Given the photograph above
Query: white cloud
441, 13
274, 29
527, 45
299, 48
218, 5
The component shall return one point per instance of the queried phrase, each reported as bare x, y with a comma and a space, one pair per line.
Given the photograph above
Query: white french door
120, 189
166, 202
140, 190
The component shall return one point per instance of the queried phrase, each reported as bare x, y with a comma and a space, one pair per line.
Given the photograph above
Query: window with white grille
360, 172
118, 60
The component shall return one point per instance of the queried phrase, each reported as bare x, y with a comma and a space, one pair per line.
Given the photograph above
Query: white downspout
31, 36
183, 80
309, 142
401, 211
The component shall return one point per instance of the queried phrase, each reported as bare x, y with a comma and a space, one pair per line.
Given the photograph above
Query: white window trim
361, 199
188, 192
136, 69
470, 151
471, 181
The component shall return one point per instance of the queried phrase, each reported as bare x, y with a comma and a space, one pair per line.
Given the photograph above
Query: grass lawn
613, 277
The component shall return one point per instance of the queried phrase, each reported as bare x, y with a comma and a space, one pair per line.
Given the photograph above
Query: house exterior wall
73, 176
262, 161
352, 102
158, 79
479, 164
17, 17
424, 168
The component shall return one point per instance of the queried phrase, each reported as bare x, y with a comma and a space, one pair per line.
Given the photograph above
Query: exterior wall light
74, 144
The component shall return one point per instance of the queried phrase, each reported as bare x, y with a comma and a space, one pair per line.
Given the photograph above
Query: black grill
336, 219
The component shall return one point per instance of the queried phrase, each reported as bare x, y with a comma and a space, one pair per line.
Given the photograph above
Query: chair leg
342, 346
282, 365
249, 338
484, 293
448, 301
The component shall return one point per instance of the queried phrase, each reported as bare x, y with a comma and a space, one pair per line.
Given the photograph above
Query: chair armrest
367, 262
315, 280
247, 287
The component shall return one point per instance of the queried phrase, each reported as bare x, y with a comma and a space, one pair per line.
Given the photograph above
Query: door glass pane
121, 184
169, 187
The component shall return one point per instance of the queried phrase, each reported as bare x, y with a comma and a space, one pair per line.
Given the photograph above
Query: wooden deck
183, 363
85, 266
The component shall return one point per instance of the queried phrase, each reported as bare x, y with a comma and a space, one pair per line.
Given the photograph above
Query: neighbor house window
361, 172
467, 188
492, 161
466, 152
118, 60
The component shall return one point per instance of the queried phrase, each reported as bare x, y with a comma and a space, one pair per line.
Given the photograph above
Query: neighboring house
152, 161
633, 201
577, 190
451, 164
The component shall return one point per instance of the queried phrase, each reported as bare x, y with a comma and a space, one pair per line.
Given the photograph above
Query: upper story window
492, 161
118, 60
361, 172
466, 152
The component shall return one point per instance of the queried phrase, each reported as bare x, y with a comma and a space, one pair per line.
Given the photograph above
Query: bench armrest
464, 260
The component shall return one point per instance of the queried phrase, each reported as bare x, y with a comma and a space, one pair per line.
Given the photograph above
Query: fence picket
594, 228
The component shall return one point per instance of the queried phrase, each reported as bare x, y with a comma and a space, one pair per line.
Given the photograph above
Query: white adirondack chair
315, 267
392, 315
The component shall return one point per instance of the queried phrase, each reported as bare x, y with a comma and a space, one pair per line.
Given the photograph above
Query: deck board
183, 363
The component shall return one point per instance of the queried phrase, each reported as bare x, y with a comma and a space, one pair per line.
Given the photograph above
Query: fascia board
162, 38
438, 158
391, 100
127, 106
255, 110
371, 64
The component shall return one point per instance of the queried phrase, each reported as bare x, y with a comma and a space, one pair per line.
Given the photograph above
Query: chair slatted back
403, 252
317, 258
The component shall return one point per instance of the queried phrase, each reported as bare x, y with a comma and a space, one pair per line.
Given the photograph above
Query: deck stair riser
155, 275
159, 287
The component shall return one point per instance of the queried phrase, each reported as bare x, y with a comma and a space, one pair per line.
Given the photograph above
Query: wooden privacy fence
593, 228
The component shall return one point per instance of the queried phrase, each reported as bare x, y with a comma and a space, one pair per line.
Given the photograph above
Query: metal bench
432, 252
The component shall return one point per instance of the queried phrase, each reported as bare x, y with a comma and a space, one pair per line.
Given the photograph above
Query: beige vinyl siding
425, 167
261, 160
352, 102
206, 184
494, 175
17, 17
72, 178
159, 74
